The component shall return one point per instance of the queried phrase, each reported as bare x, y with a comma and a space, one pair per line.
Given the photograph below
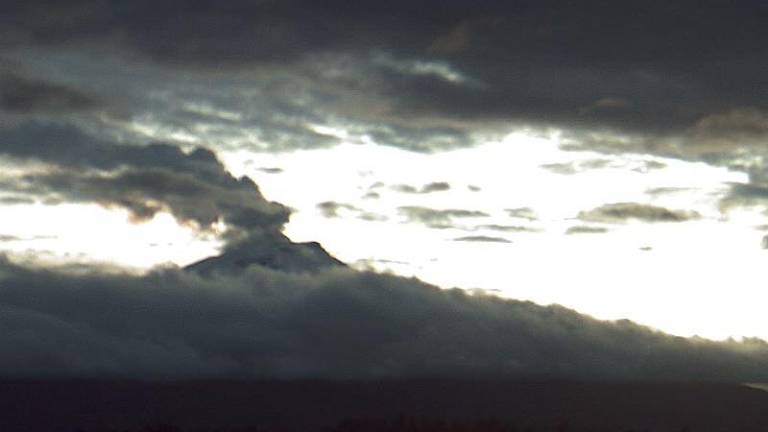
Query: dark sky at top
644, 67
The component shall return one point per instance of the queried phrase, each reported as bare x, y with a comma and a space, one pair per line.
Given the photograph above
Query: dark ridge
531, 404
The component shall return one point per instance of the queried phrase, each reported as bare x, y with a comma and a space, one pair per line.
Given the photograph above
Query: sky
347, 189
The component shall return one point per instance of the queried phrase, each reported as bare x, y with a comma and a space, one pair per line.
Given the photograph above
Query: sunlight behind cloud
90, 233
672, 276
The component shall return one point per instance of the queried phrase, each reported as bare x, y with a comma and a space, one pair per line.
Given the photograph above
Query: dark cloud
194, 186
620, 212
482, 239
425, 189
437, 218
337, 323
585, 229
23, 95
429, 76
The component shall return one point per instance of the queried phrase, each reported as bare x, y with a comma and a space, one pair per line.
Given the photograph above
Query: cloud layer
192, 185
336, 323
426, 76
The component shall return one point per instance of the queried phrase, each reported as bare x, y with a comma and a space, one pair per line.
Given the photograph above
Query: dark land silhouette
383, 406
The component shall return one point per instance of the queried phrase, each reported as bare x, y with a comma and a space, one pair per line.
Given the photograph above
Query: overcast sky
313, 157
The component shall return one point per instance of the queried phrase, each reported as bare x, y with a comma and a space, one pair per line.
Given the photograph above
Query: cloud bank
336, 323
192, 185
620, 212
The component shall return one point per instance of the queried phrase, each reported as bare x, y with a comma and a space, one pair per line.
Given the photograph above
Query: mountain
271, 250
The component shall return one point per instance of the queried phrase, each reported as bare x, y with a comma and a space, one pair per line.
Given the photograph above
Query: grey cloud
425, 189
404, 188
585, 229
666, 190
13, 238
271, 170
482, 239
522, 213
15, 200
330, 209
651, 165
561, 168
193, 186
507, 228
437, 218
23, 95
620, 212
594, 164
429, 76
373, 217
333, 324
755, 192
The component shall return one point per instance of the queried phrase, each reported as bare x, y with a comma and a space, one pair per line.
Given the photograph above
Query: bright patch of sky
701, 276
68, 233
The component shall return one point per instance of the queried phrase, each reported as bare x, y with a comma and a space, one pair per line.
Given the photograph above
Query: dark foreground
382, 406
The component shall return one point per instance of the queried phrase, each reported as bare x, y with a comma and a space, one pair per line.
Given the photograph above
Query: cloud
23, 95
561, 168
425, 189
507, 228
330, 209
620, 212
271, 170
437, 218
752, 193
522, 213
193, 186
332, 324
424, 77
482, 239
666, 190
15, 200
577, 167
585, 229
